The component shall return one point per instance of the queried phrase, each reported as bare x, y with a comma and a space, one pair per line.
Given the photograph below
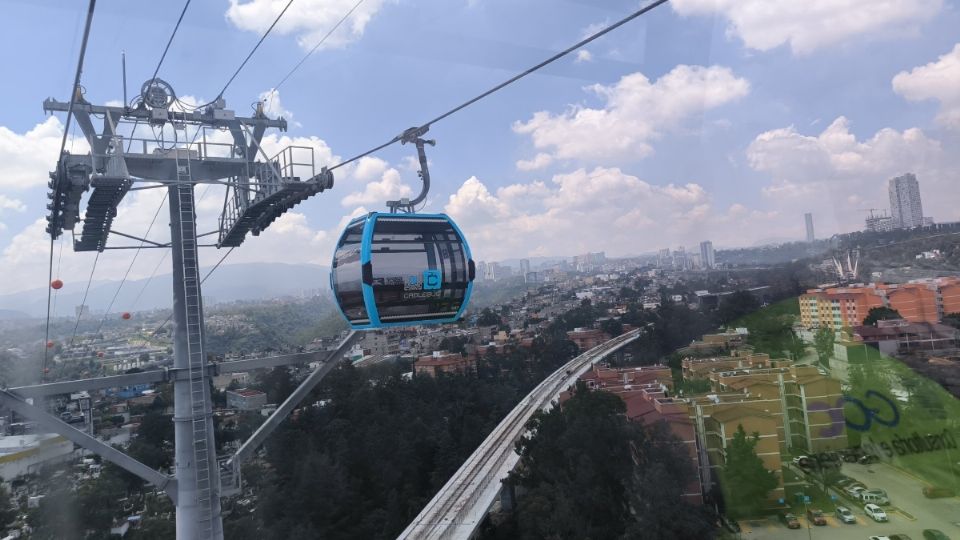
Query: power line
513, 79
63, 145
255, 47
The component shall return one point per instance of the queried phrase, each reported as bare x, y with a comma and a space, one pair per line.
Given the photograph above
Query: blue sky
706, 119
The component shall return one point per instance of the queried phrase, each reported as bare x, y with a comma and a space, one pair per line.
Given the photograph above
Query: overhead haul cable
423, 128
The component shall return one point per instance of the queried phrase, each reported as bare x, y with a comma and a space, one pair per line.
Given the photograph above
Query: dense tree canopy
881, 313
588, 472
743, 478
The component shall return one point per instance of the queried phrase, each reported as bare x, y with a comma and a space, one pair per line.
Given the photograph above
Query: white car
875, 496
845, 515
854, 491
875, 512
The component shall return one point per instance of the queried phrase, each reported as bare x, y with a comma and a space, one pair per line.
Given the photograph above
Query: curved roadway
457, 510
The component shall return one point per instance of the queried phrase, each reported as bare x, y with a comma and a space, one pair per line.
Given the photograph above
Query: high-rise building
524, 267
808, 217
663, 258
494, 271
905, 207
707, 256
481, 271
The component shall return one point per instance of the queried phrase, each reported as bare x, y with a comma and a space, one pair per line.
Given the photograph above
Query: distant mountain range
250, 281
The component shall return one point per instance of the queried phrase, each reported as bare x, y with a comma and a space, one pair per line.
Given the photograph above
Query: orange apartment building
587, 338
922, 300
443, 362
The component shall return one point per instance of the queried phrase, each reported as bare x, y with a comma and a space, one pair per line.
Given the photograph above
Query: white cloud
9, 203
583, 55
636, 113
820, 171
938, 80
26, 160
539, 161
589, 210
309, 20
389, 187
811, 24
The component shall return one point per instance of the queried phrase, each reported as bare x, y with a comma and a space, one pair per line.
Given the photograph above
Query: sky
721, 120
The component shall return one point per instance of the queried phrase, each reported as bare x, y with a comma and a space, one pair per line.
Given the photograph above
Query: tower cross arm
111, 454
207, 116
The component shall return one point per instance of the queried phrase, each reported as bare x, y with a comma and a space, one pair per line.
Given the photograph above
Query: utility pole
224, 149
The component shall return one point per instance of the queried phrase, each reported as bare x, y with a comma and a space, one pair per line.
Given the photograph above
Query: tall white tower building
905, 207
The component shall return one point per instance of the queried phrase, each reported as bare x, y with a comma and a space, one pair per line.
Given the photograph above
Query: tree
7, 514
737, 305
952, 319
823, 342
745, 481
488, 318
612, 327
882, 313
588, 472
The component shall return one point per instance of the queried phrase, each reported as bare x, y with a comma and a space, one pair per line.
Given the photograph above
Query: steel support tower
203, 145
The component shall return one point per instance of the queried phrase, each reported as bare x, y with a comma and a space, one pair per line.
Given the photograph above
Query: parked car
934, 534
789, 520
845, 515
815, 516
934, 492
875, 512
899, 537
875, 496
867, 459
844, 481
803, 461
855, 489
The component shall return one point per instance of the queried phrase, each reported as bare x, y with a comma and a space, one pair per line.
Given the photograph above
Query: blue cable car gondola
399, 269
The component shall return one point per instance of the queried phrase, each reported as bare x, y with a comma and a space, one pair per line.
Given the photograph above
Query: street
909, 512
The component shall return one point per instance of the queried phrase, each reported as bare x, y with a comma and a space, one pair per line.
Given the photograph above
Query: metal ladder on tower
198, 391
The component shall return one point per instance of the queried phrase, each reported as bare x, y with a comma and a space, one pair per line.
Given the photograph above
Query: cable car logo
431, 280
839, 419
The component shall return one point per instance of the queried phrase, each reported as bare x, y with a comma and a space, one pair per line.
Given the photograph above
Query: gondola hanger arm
412, 135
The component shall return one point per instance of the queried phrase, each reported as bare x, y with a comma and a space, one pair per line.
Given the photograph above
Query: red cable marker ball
49, 344
126, 315
100, 354
56, 284
46, 370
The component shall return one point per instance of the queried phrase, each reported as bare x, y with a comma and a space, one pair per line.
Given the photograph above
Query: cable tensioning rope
83, 303
255, 47
202, 281
317, 46
63, 145
513, 79
169, 41
130, 266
